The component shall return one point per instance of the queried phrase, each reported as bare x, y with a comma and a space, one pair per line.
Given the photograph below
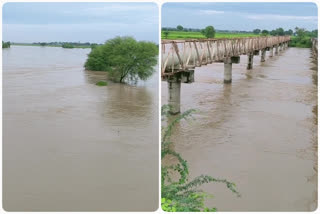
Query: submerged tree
124, 58
180, 194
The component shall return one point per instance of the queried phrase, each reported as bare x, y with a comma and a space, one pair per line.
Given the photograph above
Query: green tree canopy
279, 31
288, 32
300, 32
256, 31
179, 28
124, 58
273, 33
264, 32
209, 32
314, 33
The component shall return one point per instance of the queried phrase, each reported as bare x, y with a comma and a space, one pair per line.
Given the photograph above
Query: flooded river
69, 145
259, 132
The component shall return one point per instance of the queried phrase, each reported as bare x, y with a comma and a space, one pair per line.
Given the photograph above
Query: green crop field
198, 35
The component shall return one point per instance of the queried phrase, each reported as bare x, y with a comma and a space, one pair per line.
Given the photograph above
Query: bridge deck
181, 55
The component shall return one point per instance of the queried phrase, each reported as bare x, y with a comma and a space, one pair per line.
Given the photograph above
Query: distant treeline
276, 32
66, 44
61, 43
300, 37
6, 44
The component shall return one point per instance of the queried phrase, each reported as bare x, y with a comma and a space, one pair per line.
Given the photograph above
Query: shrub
101, 83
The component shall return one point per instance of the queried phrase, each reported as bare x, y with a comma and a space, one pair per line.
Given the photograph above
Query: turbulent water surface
69, 145
259, 132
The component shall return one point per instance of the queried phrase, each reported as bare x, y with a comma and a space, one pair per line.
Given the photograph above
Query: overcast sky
240, 16
84, 22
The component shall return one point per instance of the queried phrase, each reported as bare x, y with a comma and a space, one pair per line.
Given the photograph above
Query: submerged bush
101, 83
124, 58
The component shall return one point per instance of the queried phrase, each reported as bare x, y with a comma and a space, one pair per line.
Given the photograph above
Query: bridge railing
178, 55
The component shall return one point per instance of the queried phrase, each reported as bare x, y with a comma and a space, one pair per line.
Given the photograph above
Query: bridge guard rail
181, 55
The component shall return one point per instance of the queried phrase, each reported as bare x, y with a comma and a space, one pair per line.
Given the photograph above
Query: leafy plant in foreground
178, 194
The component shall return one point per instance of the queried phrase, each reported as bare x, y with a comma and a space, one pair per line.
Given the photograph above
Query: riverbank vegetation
58, 44
300, 37
6, 44
67, 45
124, 58
178, 194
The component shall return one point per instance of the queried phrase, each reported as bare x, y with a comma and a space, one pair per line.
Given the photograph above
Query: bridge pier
174, 90
227, 70
277, 50
263, 55
271, 51
250, 61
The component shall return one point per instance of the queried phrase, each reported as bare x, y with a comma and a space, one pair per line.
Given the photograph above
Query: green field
198, 35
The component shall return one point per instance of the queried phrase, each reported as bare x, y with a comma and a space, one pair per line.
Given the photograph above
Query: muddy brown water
69, 145
259, 132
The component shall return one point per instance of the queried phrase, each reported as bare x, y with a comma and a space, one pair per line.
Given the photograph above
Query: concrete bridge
181, 57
